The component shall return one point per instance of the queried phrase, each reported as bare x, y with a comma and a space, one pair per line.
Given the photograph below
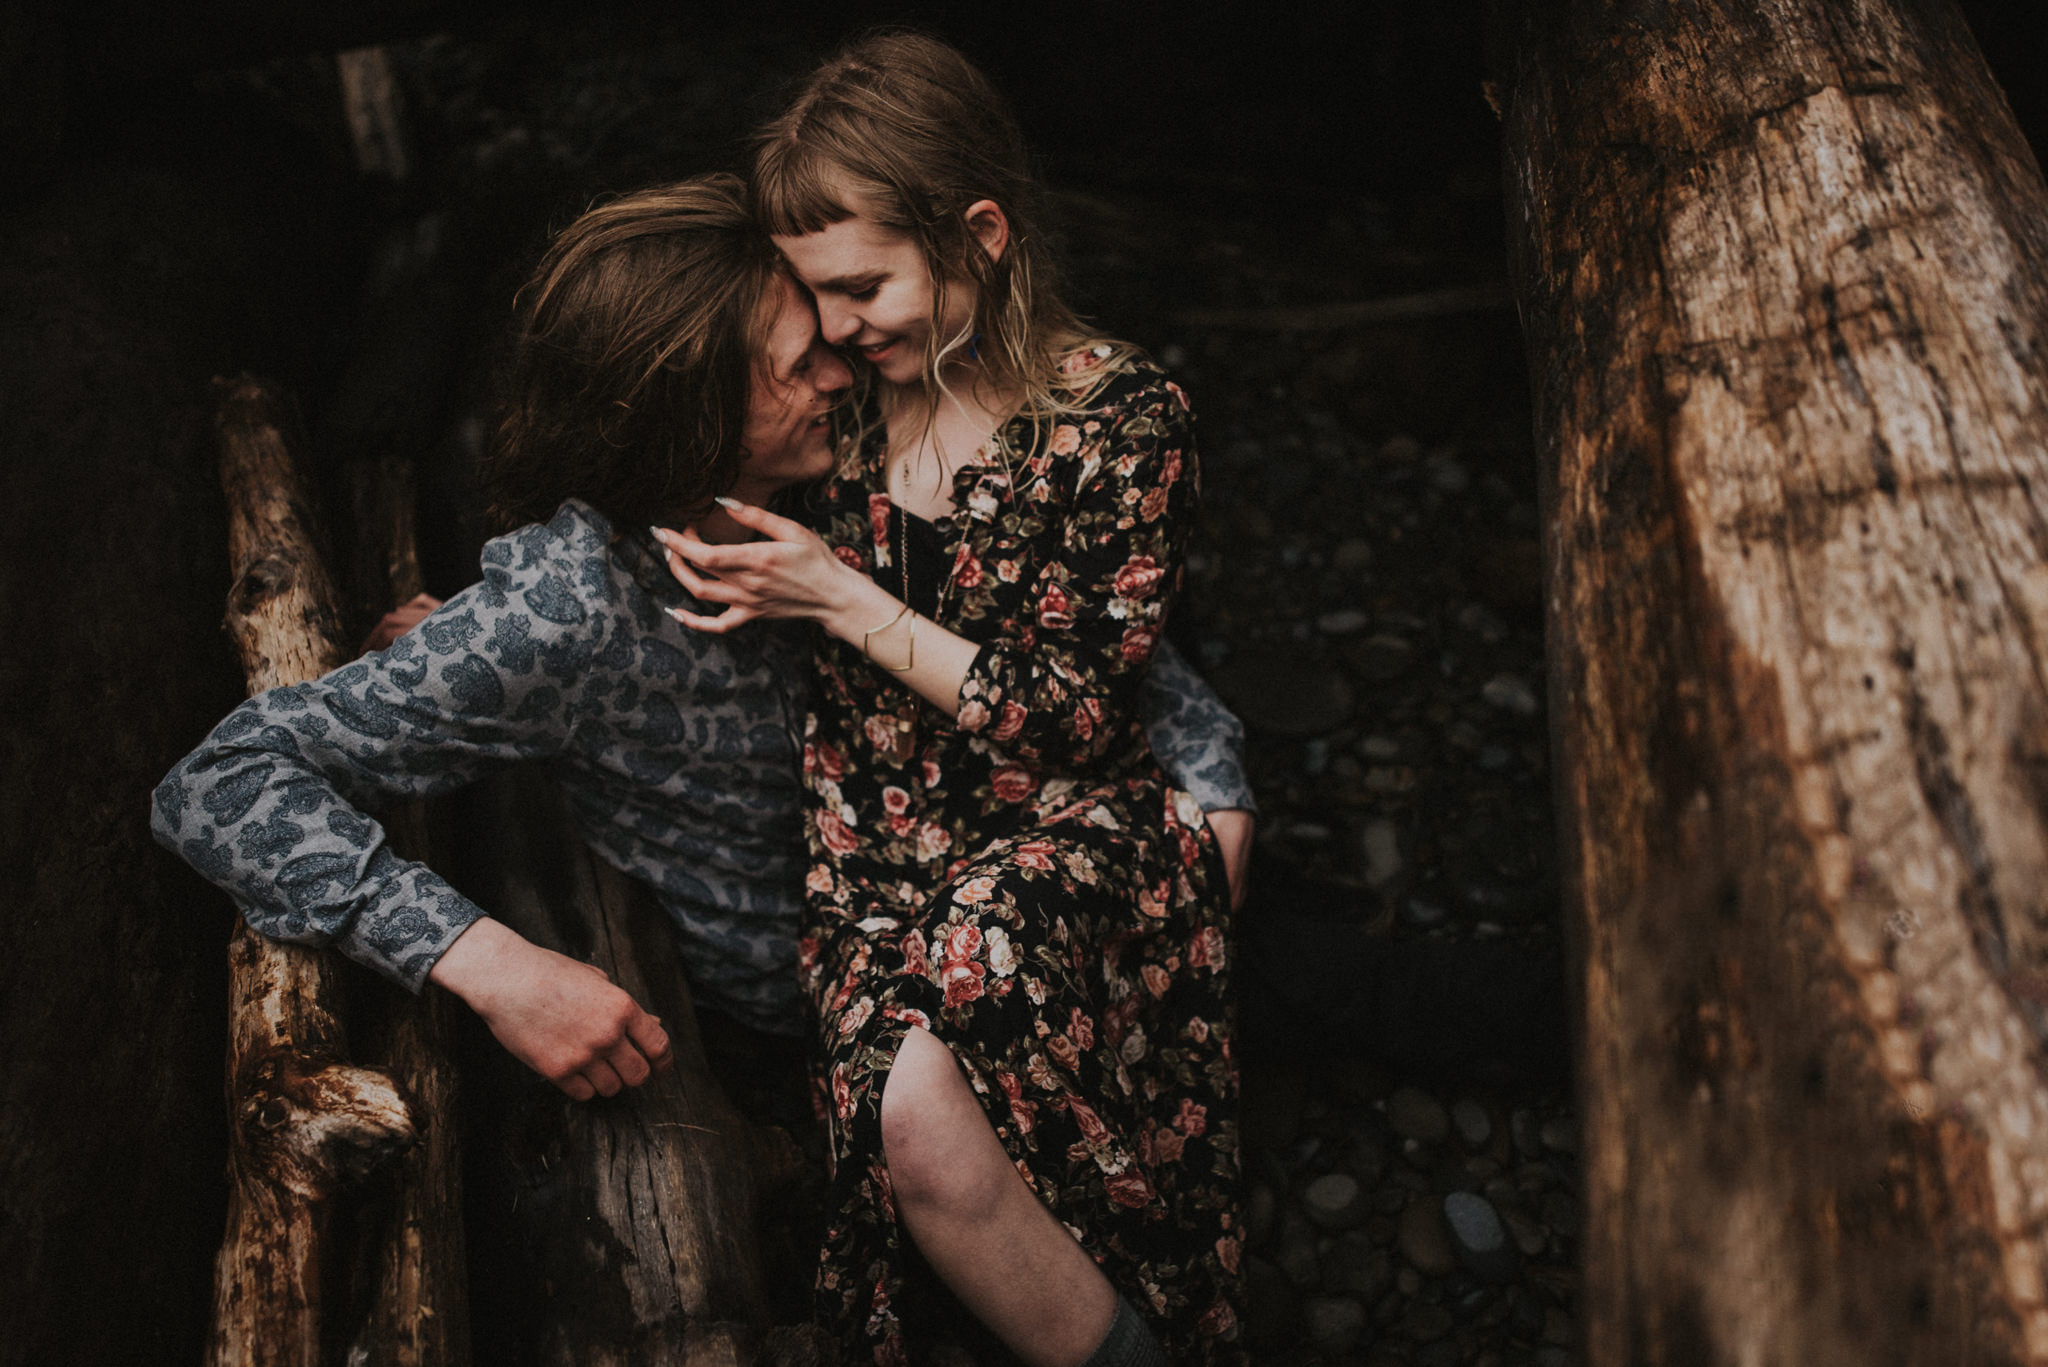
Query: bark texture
301, 1119
634, 1214
1783, 269
417, 1291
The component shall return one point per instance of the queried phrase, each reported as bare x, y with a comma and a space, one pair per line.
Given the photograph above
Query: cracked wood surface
302, 1121
634, 1215
1783, 271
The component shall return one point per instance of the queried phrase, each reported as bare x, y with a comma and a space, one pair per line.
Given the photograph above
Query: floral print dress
1023, 882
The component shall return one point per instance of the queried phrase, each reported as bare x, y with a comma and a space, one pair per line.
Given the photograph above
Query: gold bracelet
884, 626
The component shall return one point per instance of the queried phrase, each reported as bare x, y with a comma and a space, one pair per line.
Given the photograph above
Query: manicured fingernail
731, 504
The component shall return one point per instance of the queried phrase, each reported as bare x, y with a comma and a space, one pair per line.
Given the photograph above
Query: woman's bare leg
1006, 1256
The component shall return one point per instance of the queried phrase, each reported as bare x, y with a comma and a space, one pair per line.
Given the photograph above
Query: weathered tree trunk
417, 1313
1783, 267
635, 1215
300, 1119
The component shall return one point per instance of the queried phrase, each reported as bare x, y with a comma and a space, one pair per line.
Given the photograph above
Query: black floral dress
1023, 882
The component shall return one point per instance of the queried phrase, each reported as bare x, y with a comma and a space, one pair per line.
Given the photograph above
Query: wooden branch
418, 1310
638, 1212
1783, 267
301, 1121
375, 111
1400, 308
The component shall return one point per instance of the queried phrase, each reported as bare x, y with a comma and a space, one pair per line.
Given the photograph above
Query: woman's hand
791, 574
559, 1016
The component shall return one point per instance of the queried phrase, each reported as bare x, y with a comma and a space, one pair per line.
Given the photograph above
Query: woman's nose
836, 320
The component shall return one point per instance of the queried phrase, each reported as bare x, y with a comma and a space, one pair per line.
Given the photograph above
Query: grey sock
1128, 1343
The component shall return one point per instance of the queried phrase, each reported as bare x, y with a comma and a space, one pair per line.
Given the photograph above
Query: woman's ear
990, 226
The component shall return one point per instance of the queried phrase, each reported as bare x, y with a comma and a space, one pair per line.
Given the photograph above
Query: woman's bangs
797, 190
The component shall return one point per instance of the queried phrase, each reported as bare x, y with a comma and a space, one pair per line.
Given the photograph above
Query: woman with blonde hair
1016, 928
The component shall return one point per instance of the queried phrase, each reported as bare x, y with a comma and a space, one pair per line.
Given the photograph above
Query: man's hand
399, 620
562, 1018
1233, 829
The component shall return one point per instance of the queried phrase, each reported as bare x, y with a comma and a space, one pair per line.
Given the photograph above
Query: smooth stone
1527, 1132
1342, 622
1480, 620
1446, 1352
1510, 693
1424, 1241
1381, 657
1446, 474
1333, 1323
1526, 1311
1474, 1126
1379, 747
1389, 1307
1353, 1267
1560, 1135
1426, 1323
1352, 555
1407, 1282
1415, 1114
1529, 1236
1380, 842
1402, 448
1336, 1201
1296, 1255
1476, 1233
1561, 1213
1423, 913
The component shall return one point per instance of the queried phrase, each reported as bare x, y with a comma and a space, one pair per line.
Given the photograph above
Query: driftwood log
1783, 270
301, 1119
634, 1216
415, 1293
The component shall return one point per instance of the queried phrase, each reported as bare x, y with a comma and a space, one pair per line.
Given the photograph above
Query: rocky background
1298, 212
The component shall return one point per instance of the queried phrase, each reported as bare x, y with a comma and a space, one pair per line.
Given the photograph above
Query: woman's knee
936, 1142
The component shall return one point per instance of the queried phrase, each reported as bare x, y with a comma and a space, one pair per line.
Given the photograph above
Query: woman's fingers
709, 590
761, 520
716, 623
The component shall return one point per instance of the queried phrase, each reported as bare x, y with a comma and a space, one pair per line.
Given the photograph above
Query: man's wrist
475, 959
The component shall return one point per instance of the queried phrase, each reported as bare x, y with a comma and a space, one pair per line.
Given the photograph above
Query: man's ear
990, 226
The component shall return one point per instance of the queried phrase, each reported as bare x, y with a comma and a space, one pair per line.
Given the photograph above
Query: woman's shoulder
1105, 379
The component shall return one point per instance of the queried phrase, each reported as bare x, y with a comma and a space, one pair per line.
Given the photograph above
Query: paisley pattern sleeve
1198, 741
1054, 693
271, 804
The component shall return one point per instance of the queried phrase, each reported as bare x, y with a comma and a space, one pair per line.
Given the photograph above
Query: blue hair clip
974, 347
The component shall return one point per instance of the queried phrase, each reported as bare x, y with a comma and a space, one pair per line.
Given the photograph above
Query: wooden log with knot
302, 1121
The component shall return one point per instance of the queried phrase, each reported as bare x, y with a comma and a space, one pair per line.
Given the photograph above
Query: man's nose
830, 372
